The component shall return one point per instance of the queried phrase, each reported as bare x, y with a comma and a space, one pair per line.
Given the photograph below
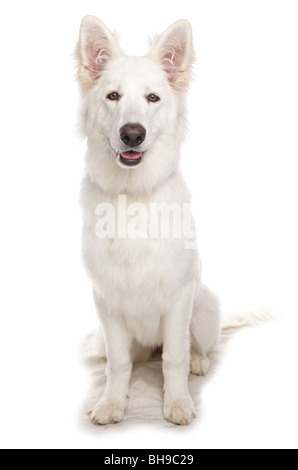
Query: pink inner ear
97, 52
173, 54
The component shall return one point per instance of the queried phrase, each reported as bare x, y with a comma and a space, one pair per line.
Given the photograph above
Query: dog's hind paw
199, 364
179, 411
107, 413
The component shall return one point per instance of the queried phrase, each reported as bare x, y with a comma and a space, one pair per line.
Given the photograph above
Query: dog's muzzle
130, 158
132, 135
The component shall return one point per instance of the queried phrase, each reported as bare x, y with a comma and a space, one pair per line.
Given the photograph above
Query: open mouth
130, 158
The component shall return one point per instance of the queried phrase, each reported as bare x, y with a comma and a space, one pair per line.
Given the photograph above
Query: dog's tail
248, 317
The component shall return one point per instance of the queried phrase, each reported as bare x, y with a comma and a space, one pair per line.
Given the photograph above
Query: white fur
148, 292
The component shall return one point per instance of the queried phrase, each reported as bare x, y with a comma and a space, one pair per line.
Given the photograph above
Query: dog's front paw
107, 412
179, 411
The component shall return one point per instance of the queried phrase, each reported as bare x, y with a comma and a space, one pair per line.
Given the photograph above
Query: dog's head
134, 106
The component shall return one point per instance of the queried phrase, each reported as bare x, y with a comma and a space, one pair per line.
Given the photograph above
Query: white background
241, 166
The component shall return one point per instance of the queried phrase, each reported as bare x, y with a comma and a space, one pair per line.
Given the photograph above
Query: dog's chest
136, 273
135, 286
129, 271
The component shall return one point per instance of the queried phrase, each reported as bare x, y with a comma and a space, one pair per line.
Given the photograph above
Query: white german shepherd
148, 290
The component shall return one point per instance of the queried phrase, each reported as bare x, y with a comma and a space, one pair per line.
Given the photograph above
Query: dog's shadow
145, 403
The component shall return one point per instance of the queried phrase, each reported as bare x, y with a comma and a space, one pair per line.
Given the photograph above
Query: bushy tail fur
247, 317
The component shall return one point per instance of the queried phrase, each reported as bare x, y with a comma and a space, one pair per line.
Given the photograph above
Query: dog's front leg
178, 405
111, 407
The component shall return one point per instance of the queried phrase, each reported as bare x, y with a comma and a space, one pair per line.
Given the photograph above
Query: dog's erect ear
174, 50
97, 45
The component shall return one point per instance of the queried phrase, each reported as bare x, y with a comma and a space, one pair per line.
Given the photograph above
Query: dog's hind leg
204, 328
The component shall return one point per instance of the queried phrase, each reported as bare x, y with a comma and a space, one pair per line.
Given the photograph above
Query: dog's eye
153, 98
113, 96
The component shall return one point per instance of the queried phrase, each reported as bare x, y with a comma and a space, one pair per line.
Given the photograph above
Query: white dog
147, 289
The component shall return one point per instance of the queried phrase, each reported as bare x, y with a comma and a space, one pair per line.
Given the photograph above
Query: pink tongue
131, 155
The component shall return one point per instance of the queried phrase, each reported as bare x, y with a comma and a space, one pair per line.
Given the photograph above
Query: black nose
132, 134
